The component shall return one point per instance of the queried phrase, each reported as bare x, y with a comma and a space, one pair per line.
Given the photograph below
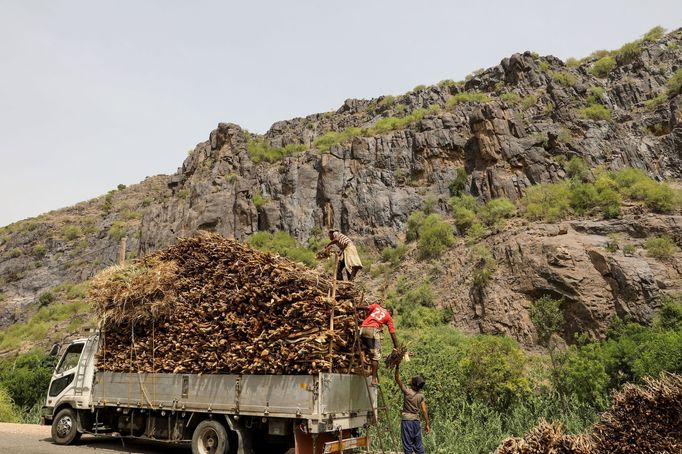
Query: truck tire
210, 437
65, 427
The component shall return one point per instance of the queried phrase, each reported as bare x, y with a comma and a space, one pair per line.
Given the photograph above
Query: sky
96, 93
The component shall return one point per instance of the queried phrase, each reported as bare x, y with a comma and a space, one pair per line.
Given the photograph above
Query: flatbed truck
215, 413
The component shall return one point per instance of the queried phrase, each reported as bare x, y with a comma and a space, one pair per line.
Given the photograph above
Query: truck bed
327, 401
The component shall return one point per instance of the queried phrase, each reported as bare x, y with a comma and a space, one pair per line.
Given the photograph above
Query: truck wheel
65, 427
210, 437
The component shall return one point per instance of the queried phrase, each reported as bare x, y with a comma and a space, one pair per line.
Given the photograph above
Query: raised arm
400, 383
425, 412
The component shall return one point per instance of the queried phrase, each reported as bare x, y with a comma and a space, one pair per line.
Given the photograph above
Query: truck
215, 413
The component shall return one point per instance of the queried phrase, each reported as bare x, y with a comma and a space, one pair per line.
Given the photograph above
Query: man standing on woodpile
370, 335
413, 403
349, 258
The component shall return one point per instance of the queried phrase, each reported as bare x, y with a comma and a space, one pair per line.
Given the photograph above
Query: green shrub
283, 244
528, 101
435, 236
475, 233
637, 185
628, 249
108, 204
39, 249
386, 101
485, 265
458, 185
675, 83
468, 96
669, 316
596, 95
654, 34
77, 291
603, 66
394, 255
414, 223
26, 378
583, 197
117, 230
576, 168
653, 103
582, 373
609, 203
121, 187
46, 298
324, 142
510, 97
419, 88
495, 210
601, 53
595, 112
15, 252
464, 217
564, 78
258, 199
464, 210
628, 52
550, 202
572, 62
494, 367
260, 150
548, 318
660, 247
8, 412
71, 232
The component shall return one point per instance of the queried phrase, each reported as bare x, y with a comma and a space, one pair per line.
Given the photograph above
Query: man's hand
427, 429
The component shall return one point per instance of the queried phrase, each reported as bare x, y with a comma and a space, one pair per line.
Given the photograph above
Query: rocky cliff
366, 167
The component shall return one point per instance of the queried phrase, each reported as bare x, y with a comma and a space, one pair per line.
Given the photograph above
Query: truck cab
70, 389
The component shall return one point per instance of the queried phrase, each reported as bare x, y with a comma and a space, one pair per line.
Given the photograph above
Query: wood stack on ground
212, 305
641, 419
646, 419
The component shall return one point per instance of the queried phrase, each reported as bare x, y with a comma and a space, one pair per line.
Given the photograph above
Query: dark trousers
411, 434
340, 268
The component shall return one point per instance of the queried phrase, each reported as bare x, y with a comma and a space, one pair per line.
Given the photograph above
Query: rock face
368, 184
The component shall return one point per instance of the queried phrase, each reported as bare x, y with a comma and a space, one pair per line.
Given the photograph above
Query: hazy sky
97, 93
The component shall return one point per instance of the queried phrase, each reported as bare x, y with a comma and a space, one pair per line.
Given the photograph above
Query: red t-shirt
379, 316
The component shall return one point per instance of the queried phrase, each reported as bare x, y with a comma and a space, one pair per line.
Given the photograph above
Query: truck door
64, 374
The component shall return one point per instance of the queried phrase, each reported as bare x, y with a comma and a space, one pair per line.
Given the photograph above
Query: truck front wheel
210, 437
65, 427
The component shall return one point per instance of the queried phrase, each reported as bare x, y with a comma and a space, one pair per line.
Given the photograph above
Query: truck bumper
46, 416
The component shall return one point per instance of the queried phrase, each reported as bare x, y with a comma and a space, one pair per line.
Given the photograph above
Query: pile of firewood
641, 419
212, 305
646, 419
546, 438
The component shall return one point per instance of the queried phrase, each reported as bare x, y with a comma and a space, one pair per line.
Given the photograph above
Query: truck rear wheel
65, 427
210, 437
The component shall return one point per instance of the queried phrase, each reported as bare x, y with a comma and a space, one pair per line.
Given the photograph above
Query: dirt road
32, 439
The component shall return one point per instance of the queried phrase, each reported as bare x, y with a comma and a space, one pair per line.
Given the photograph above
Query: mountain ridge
368, 166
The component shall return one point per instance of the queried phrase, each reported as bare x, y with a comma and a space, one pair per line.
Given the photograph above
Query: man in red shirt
370, 334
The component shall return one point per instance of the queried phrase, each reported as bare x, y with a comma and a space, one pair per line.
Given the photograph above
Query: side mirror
54, 350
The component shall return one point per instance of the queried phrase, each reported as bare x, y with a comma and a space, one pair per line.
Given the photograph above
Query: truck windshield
70, 358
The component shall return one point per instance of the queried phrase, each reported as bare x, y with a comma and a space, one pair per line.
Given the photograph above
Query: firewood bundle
641, 419
546, 438
212, 305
